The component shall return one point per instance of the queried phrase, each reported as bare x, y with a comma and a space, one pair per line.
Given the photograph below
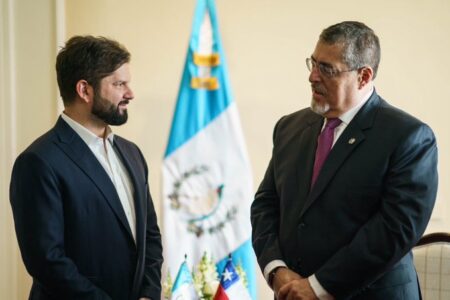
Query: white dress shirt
103, 149
346, 118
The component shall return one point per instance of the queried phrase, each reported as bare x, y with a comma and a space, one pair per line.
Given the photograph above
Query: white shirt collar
349, 115
86, 135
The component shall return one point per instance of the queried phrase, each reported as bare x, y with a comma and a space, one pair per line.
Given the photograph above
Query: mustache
318, 88
124, 102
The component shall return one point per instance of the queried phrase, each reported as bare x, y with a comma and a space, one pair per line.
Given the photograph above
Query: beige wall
8, 257
266, 43
27, 109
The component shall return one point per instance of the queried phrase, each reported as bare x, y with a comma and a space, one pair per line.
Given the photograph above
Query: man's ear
84, 90
365, 76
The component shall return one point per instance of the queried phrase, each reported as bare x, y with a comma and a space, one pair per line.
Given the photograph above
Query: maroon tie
324, 143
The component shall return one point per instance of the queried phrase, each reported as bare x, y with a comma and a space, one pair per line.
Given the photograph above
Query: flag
231, 286
183, 288
207, 181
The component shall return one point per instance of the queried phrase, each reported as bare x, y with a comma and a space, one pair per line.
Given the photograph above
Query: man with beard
83, 214
351, 184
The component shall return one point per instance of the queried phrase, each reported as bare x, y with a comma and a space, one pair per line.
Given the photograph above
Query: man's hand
297, 289
282, 277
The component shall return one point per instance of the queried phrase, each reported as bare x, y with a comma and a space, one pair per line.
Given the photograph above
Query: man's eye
327, 69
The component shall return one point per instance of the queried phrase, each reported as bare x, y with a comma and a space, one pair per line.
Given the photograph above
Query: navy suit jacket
72, 231
369, 206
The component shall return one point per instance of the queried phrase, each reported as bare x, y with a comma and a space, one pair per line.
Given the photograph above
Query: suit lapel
139, 197
77, 150
349, 140
306, 153
139, 189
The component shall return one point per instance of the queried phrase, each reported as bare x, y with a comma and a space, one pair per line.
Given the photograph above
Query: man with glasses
351, 184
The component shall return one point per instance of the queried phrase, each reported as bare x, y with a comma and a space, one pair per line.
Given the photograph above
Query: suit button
302, 225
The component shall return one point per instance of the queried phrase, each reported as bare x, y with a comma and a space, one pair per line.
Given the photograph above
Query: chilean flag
231, 286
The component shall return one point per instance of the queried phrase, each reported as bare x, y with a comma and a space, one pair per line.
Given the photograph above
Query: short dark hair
89, 58
361, 46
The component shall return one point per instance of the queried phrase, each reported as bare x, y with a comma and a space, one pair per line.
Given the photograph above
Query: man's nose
129, 95
314, 74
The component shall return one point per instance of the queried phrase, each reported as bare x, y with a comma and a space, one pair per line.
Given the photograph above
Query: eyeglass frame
325, 69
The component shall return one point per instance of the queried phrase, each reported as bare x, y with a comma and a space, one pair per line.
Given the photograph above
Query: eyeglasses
324, 69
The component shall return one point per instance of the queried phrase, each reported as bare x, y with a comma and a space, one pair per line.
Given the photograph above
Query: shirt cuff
272, 265
318, 289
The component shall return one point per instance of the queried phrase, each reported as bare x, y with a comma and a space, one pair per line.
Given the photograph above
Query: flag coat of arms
207, 181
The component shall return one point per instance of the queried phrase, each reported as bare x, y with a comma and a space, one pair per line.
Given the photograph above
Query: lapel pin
351, 141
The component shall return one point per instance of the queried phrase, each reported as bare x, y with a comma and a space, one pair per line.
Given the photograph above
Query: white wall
266, 43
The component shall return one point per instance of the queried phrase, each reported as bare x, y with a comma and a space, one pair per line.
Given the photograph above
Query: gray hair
361, 46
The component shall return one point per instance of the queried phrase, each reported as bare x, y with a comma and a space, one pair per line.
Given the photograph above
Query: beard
106, 111
317, 107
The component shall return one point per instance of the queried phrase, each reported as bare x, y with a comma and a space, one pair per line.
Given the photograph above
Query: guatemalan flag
207, 182
183, 287
231, 286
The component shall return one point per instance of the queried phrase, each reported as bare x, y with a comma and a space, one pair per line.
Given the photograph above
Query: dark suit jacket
369, 206
72, 231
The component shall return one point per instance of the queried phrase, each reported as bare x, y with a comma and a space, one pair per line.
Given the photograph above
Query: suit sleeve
151, 286
37, 207
265, 214
406, 204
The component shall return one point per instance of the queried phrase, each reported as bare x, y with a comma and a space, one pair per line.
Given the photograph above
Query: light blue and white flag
207, 181
183, 287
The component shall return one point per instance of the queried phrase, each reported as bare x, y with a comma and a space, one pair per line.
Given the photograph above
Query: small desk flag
183, 287
231, 286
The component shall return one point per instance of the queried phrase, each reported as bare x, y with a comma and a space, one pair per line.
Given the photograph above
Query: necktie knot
332, 123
